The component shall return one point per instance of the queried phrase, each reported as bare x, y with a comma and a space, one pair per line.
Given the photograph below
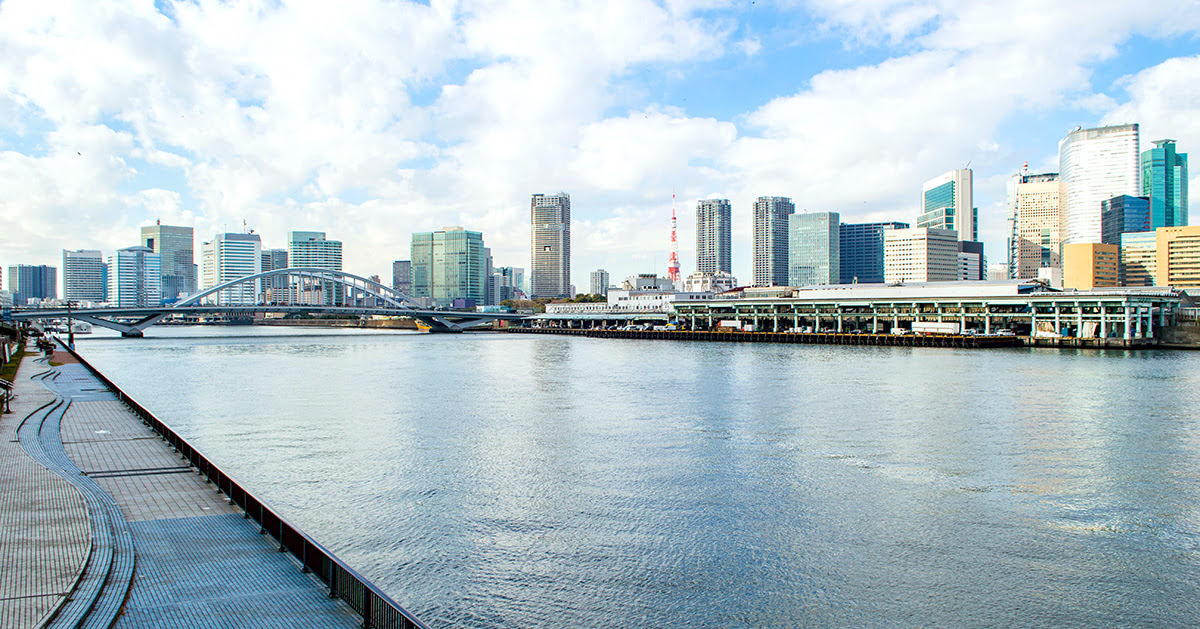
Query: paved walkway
44, 530
131, 518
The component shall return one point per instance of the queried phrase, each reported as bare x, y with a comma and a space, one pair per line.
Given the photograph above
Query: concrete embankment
905, 340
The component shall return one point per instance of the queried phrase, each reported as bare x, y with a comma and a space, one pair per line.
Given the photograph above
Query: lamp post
70, 327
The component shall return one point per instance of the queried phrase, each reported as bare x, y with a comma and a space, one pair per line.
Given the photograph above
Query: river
488, 480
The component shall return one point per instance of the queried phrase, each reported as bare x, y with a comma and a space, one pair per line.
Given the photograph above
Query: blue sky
371, 120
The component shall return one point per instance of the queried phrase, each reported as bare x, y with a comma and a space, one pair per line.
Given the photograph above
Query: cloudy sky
371, 120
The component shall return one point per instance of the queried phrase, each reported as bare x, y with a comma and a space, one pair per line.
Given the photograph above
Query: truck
730, 324
935, 327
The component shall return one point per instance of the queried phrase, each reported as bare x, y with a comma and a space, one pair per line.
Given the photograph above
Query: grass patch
9, 370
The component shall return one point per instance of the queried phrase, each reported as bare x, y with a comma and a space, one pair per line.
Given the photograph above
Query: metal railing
375, 607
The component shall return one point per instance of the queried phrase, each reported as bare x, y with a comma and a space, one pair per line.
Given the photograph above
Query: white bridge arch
298, 281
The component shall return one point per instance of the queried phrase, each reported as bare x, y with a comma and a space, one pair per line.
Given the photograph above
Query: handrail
375, 607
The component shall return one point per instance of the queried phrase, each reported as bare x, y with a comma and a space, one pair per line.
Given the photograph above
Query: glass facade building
861, 251
1122, 214
449, 264
135, 278
1094, 165
175, 247
814, 249
227, 257
26, 281
1165, 182
947, 203
714, 242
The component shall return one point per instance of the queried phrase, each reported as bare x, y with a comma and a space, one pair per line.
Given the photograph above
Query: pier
110, 519
896, 340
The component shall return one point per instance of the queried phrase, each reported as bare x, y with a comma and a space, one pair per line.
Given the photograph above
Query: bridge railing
376, 608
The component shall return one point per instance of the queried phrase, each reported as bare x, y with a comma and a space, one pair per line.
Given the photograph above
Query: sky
370, 120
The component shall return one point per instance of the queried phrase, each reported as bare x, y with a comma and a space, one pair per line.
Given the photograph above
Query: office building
1094, 165
1035, 224
276, 287
402, 276
997, 271
920, 254
1178, 257
771, 240
84, 276
1165, 182
861, 251
175, 247
699, 282
550, 274
714, 241
227, 257
448, 265
273, 259
971, 262
502, 286
814, 246
1089, 265
308, 249
1138, 259
37, 282
135, 278
599, 282
947, 203
1122, 214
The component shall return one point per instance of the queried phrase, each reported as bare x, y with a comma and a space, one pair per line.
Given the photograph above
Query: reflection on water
505, 480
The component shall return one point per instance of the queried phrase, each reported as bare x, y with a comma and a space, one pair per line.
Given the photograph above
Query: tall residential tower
550, 215
713, 236
771, 240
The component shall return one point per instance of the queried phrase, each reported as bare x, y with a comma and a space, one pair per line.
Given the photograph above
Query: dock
822, 338
110, 519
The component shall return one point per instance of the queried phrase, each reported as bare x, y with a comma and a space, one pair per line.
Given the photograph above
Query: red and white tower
673, 260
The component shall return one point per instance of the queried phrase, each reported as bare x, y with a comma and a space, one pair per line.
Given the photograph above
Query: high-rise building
814, 249
1138, 259
1165, 182
1094, 165
599, 282
920, 254
714, 240
1089, 265
861, 251
972, 265
1178, 257
771, 240
1122, 214
227, 257
27, 281
135, 278
402, 276
275, 287
175, 247
273, 259
550, 215
502, 286
947, 202
1035, 224
448, 265
308, 249
84, 275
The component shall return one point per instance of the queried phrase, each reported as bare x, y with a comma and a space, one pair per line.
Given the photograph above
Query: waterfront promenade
103, 524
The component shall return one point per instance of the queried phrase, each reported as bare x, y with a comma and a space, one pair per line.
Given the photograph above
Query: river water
488, 480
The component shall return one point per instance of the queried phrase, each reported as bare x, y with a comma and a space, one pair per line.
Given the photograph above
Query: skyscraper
175, 247
1122, 214
1165, 181
550, 216
227, 257
84, 275
814, 246
861, 251
1035, 224
947, 202
273, 259
449, 264
771, 240
1094, 165
713, 236
599, 282
402, 276
135, 278
26, 281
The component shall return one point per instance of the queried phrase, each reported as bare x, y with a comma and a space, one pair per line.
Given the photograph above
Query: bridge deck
198, 562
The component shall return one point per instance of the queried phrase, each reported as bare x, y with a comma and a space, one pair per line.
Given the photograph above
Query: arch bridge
298, 290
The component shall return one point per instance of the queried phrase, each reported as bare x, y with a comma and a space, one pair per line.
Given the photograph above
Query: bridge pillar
132, 334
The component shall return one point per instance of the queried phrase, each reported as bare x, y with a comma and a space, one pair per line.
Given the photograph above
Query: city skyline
651, 121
